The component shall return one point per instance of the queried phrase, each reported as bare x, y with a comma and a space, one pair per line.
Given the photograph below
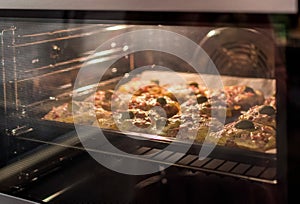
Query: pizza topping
249, 90
201, 98
244, 124
142, 123
152, 89
270, 101
141, 114
171, 109
268, 110
195, 84
155, 81
108, 94
162, 101
106, 105
264, 114
243, 97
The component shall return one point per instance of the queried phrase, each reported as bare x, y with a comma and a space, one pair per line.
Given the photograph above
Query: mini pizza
243, 97
62, 113
263, 114
209, 105
84, 113
106, 123
165, 105
247, 134
190, 127
136, 120
101, 99
206, 128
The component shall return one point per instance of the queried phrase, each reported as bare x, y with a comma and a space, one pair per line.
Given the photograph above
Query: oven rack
50, 155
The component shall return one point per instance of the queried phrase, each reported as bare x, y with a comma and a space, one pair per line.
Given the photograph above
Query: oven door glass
89, 103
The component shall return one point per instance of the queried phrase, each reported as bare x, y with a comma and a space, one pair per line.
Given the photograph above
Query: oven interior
45, 160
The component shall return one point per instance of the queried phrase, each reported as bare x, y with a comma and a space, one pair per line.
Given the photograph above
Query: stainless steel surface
272, 6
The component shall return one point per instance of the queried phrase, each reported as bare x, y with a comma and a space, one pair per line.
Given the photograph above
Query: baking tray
51, 132
35, 113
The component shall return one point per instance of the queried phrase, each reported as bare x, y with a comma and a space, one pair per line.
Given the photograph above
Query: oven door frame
182, 18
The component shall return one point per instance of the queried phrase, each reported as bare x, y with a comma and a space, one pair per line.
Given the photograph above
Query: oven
138, 103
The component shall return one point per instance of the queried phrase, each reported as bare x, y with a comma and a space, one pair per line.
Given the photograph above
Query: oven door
55, 63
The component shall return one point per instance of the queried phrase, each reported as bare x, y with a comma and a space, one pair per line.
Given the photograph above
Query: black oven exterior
179, 183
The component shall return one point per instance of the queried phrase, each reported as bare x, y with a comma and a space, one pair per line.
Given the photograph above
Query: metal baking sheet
54, 132
265, 85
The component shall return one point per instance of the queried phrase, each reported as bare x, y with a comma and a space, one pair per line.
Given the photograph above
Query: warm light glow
117, 27
212, 33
